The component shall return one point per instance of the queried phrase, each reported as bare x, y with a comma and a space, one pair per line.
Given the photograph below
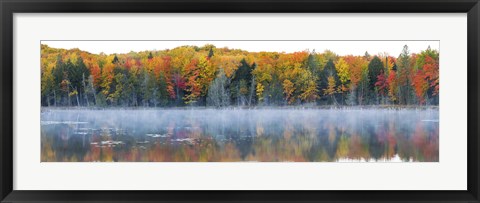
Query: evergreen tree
210, 53
329, 81
374, 69
312, 64
240, 84
58, 75
405, 90
115, 59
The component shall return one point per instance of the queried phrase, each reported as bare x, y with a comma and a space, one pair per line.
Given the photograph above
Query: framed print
239, 101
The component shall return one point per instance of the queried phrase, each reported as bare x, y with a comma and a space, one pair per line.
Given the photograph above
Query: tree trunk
54, 98
85, 95
252, 91
76, 95
68, 92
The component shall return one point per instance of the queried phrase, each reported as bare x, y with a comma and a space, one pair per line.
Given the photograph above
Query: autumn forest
223, 77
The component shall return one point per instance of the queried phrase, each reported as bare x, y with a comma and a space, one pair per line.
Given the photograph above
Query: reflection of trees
293, 137
48, 152
377, 141
343, 148
65, 145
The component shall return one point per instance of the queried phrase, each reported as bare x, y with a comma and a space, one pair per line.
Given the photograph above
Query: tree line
222, 77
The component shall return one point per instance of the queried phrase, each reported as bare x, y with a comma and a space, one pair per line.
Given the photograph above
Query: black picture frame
10, 7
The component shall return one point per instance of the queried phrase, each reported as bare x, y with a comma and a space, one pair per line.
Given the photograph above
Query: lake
240, 135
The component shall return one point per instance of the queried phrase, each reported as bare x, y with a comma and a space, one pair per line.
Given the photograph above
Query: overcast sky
393, 48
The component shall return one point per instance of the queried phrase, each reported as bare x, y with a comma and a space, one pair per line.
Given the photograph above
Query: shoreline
333, 107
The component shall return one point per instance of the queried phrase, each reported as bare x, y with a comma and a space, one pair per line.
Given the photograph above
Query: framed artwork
239, 101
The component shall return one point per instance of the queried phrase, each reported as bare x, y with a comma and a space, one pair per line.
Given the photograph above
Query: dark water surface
267, 135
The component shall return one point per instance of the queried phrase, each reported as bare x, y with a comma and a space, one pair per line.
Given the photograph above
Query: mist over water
215, 135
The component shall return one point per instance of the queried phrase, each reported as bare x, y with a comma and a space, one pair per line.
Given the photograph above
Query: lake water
265, 135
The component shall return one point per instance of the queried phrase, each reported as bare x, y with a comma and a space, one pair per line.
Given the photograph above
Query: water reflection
308, 135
